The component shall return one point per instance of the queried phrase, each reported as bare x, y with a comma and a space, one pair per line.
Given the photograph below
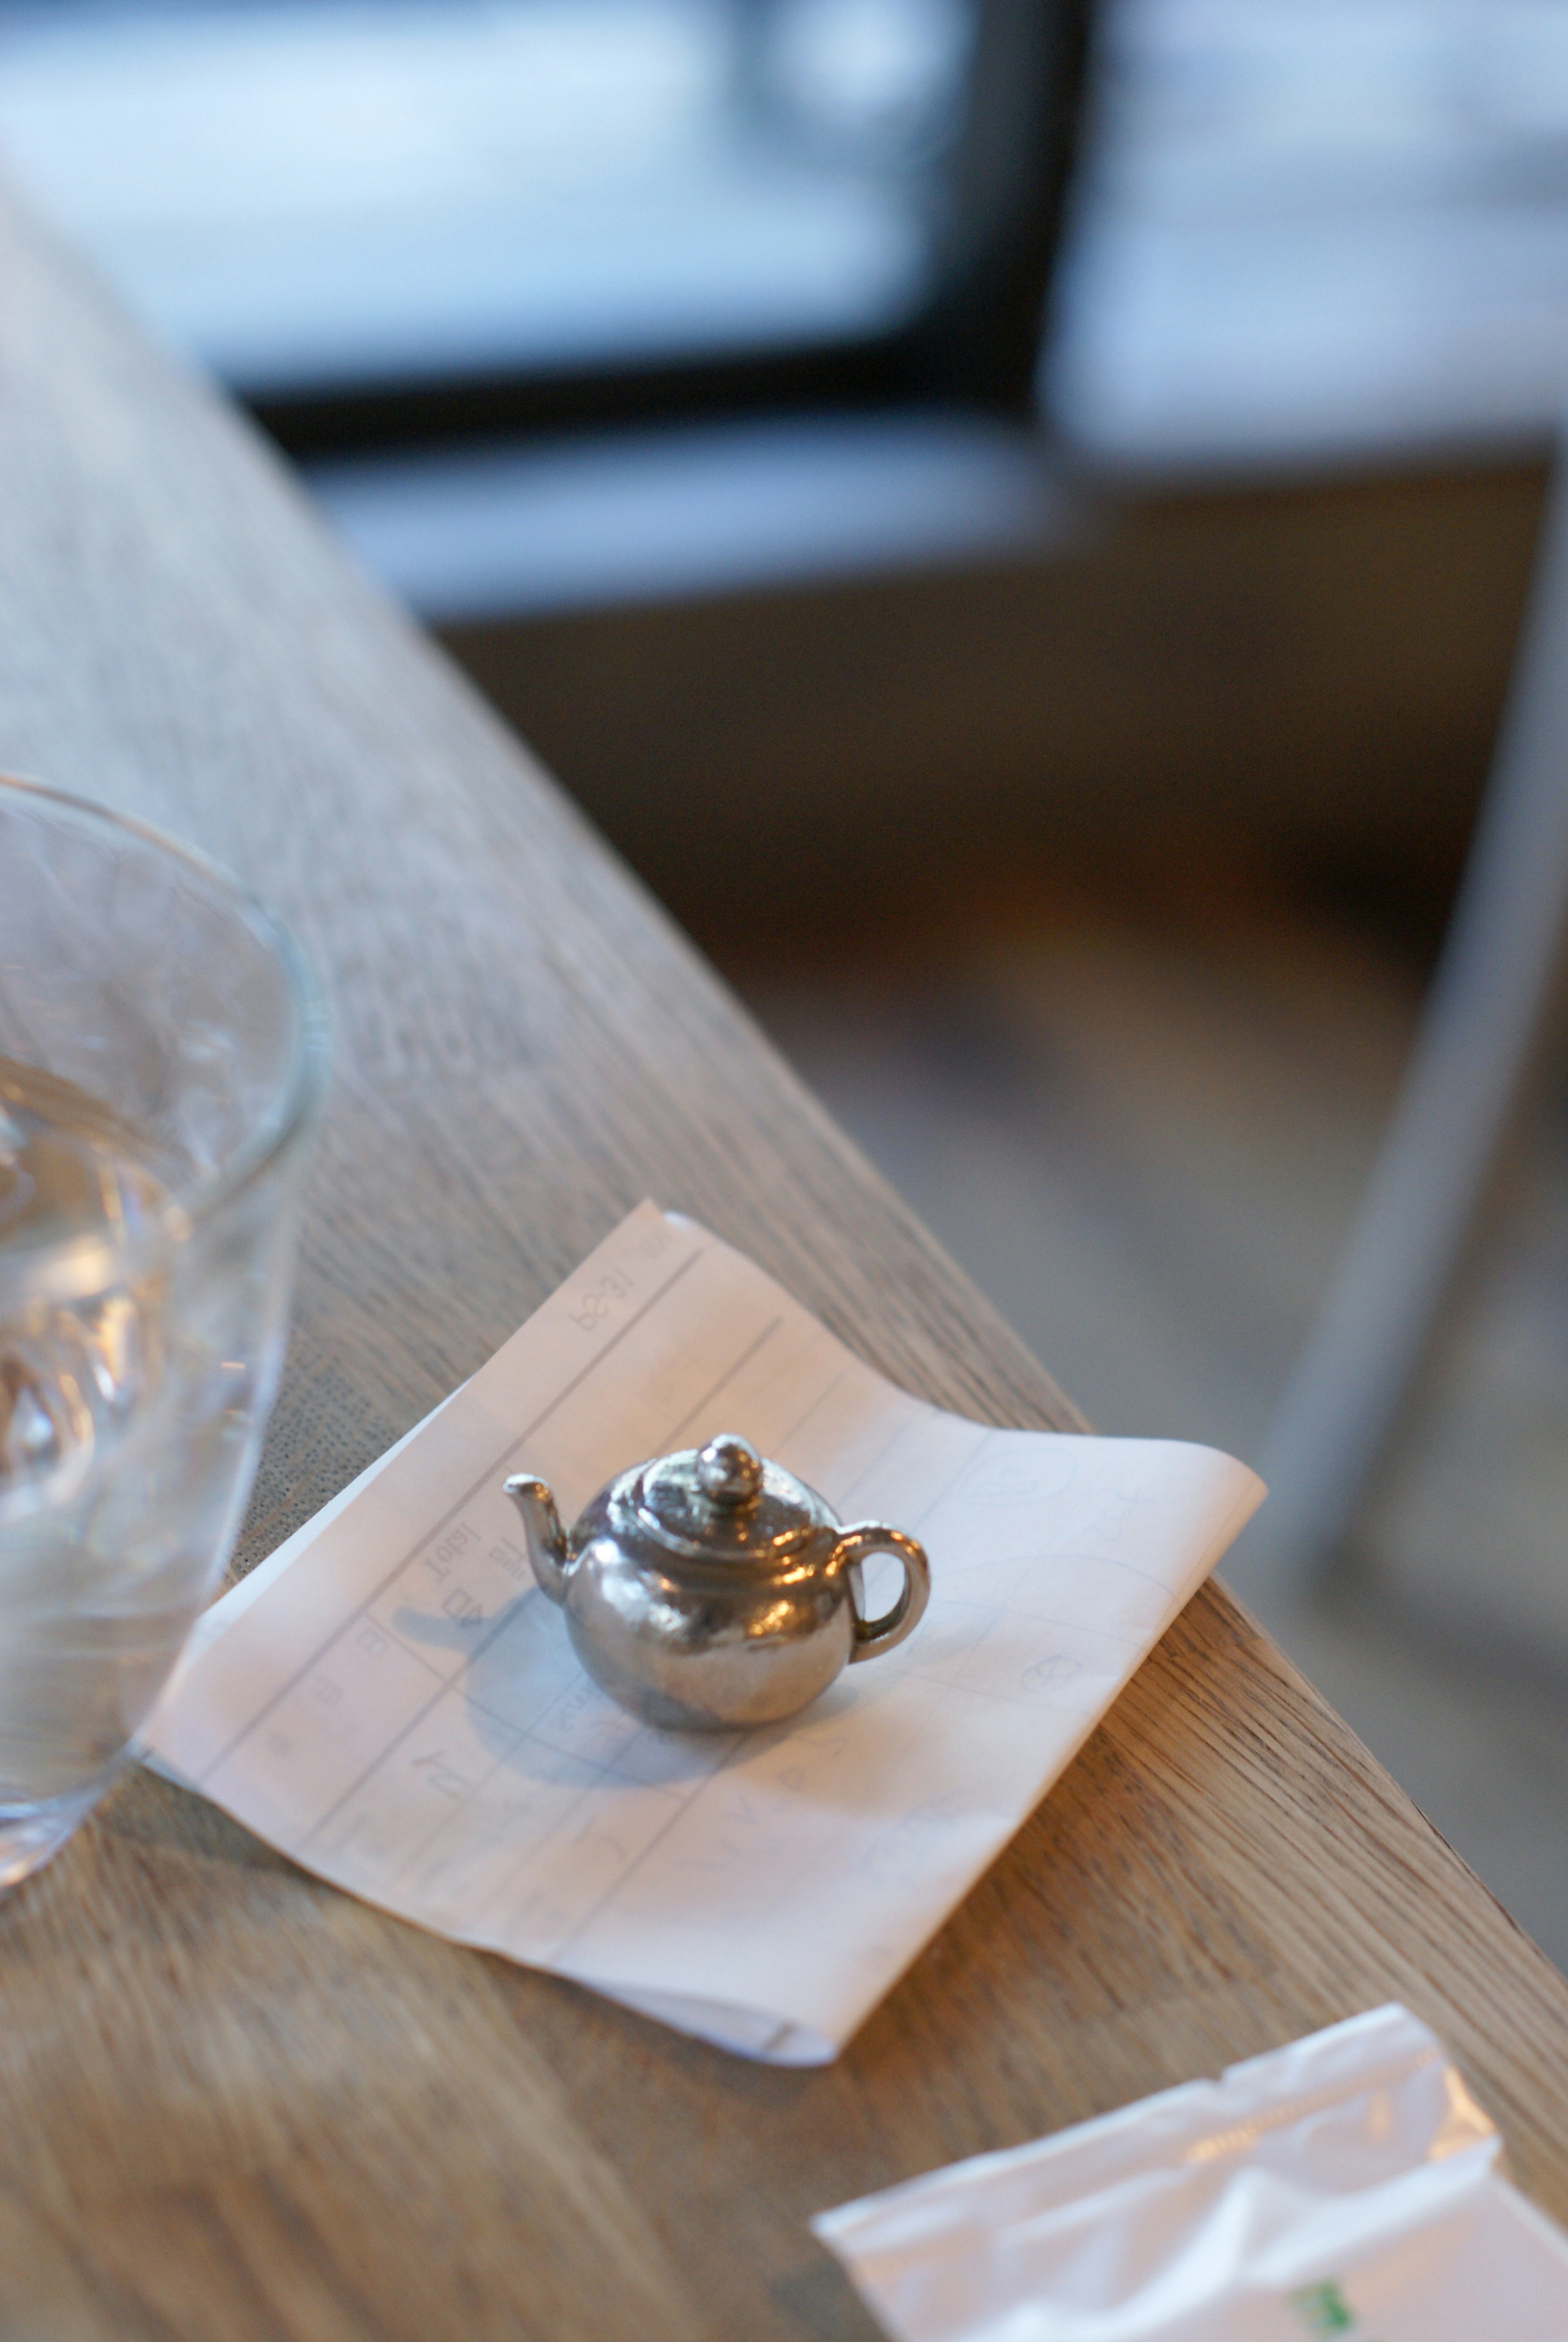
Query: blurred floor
1139, 1112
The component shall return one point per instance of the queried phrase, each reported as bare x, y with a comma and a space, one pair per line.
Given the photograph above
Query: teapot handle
875, 1635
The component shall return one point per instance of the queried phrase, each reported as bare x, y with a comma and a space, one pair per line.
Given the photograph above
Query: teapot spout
543, 1531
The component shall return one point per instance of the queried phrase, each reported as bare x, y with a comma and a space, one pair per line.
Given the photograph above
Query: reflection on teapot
712, 1591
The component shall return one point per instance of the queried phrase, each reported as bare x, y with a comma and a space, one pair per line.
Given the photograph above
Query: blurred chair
1473, 1068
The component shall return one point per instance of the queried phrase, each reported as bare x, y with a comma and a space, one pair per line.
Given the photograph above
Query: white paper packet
1347, 2185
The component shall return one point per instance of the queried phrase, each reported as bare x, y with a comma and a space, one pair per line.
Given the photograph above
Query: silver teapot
711, 1590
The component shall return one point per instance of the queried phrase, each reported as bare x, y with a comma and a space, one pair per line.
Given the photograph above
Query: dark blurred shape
1316, 669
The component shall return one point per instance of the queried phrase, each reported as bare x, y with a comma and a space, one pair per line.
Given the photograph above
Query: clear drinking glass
162, 1059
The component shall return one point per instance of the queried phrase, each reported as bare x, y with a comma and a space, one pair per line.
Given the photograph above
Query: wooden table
235, 2103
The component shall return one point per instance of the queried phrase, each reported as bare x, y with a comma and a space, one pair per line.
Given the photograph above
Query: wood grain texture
234, 2102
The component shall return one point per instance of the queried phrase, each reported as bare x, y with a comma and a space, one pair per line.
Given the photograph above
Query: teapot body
693, 1642
711, 1591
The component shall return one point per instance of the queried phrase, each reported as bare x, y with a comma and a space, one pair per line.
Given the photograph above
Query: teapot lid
727, 1503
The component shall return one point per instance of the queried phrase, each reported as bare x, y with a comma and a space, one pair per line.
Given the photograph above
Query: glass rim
296, 1097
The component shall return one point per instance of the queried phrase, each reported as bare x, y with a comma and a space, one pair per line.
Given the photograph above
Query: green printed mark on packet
1323, 2310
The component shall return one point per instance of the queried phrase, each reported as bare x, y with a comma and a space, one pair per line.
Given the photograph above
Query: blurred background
1019, 520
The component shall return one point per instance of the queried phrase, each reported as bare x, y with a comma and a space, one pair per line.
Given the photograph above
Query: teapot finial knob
730, 1471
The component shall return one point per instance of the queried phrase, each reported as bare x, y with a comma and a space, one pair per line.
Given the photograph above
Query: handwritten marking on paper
1052, 1674
595, 1305
512, 1559
442, 1555
598, 1297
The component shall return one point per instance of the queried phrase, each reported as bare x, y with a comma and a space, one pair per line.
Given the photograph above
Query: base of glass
31, 1834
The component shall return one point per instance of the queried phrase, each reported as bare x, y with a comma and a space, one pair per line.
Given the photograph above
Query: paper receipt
390, 1701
